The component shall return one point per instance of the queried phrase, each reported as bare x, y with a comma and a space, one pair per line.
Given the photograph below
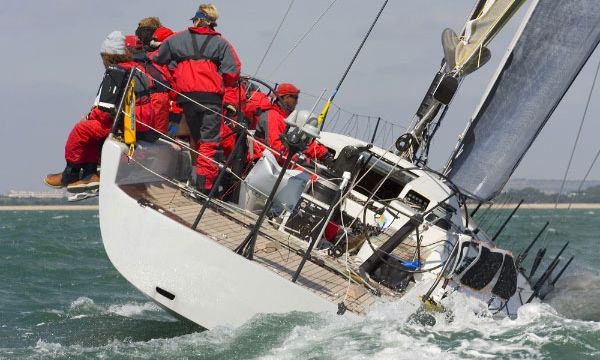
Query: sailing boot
200, 187
69, 175
90, 180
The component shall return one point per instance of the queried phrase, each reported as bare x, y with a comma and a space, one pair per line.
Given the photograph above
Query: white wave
79, 317
58, 217
84, 306
49, 348
385, 334
133, 310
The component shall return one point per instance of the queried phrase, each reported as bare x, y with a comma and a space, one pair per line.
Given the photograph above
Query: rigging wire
595, 157
585, 177
564, 180
583, 118
302, 38
274, 37
325, 110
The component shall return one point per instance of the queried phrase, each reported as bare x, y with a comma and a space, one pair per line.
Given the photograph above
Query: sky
51, 71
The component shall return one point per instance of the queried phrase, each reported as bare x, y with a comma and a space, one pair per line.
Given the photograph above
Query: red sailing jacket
232, 96
205, 61
162, 81
255, 105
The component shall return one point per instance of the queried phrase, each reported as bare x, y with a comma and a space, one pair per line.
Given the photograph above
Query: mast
462, 56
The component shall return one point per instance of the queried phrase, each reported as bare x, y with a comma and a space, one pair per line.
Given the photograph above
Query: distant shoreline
546, 206
541, 206
48, 207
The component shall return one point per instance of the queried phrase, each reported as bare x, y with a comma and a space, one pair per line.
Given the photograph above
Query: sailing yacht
377, 225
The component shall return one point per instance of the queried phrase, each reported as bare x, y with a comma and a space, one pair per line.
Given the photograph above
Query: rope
302, 38
274, 36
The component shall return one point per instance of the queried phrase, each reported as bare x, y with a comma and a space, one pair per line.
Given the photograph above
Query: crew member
271, 125
151, 33
256, 103
205, 63
175, 112
82, 150
145, 31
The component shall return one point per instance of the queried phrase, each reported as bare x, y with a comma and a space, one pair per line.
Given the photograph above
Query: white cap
113, 44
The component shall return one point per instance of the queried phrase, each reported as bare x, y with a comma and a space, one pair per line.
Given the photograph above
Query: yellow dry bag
129, 118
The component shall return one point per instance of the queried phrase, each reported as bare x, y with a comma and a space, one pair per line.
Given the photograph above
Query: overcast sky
51, 70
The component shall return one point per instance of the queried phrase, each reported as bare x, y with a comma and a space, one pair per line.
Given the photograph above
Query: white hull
212, 285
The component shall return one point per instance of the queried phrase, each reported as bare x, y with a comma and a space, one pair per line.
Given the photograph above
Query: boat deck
275, 250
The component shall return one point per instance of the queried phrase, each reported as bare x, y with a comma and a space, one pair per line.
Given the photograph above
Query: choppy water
61, 298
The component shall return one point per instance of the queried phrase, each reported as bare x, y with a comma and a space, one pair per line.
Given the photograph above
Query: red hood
203, 30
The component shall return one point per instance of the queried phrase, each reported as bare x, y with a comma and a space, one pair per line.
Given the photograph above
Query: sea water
61, 298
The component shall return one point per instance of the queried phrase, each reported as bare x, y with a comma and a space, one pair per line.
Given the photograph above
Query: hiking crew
82, 149
204, 64
202, 70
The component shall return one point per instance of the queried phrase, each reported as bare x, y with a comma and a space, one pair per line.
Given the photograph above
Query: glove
230, 110
172, 129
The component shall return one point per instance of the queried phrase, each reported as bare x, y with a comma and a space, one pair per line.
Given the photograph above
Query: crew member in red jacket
161, 98
257, 102
175, 113
205, 63
82, 150
271, 125
231, 102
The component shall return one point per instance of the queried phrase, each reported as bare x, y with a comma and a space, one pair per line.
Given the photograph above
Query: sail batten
553, 46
